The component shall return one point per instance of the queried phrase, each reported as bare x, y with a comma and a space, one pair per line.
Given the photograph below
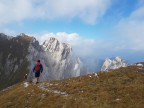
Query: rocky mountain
57, 58
63, 56
13, 61
113, 64
19, 54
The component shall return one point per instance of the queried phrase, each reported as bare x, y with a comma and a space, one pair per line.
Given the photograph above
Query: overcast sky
100, 28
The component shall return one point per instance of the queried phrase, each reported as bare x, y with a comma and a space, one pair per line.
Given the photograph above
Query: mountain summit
62, 62
57, 49
57, 58
113, 64
19, 54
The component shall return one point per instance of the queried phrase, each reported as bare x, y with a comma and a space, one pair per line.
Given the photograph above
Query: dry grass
122, 88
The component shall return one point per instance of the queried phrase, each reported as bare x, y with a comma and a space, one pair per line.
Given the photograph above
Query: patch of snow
81, 91
26, 84
140, 65
117, 99
45, 88
95, 74
58, 92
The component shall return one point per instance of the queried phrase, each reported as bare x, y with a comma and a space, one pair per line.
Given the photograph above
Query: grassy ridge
122, 88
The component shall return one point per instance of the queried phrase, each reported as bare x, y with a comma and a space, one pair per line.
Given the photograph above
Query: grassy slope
122, 88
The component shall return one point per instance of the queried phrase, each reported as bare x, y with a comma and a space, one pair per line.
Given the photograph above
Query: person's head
38, 61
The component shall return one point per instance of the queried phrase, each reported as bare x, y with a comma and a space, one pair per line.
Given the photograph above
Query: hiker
38, 68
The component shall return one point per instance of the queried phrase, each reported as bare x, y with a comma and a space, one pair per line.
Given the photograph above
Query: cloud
83, 47
86, 10
130, 30
8, 31
16, 10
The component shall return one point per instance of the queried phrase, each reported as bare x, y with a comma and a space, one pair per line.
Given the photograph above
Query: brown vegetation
122, 88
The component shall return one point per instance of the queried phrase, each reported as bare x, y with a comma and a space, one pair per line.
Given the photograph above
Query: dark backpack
38, 67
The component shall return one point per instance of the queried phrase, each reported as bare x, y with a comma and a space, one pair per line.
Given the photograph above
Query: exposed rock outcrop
113, 64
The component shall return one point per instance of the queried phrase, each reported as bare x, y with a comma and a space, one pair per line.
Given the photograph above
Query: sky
94, 28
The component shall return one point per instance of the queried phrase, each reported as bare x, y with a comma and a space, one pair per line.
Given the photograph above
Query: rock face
57, 59
113, 64
19, 54
13, 61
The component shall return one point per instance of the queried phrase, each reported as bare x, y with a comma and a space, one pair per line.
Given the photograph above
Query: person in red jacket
38, 68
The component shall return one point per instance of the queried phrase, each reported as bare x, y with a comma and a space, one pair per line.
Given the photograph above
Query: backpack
38, 67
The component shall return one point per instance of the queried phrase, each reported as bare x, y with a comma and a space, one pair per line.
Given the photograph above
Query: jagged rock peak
22, 34
113, 64
55, 42
2, 34
118, 59
56, 48
25, 37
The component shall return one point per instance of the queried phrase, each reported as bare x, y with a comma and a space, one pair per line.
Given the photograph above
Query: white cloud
7, 31
87, 10
82, 46
131, 29
15, 10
